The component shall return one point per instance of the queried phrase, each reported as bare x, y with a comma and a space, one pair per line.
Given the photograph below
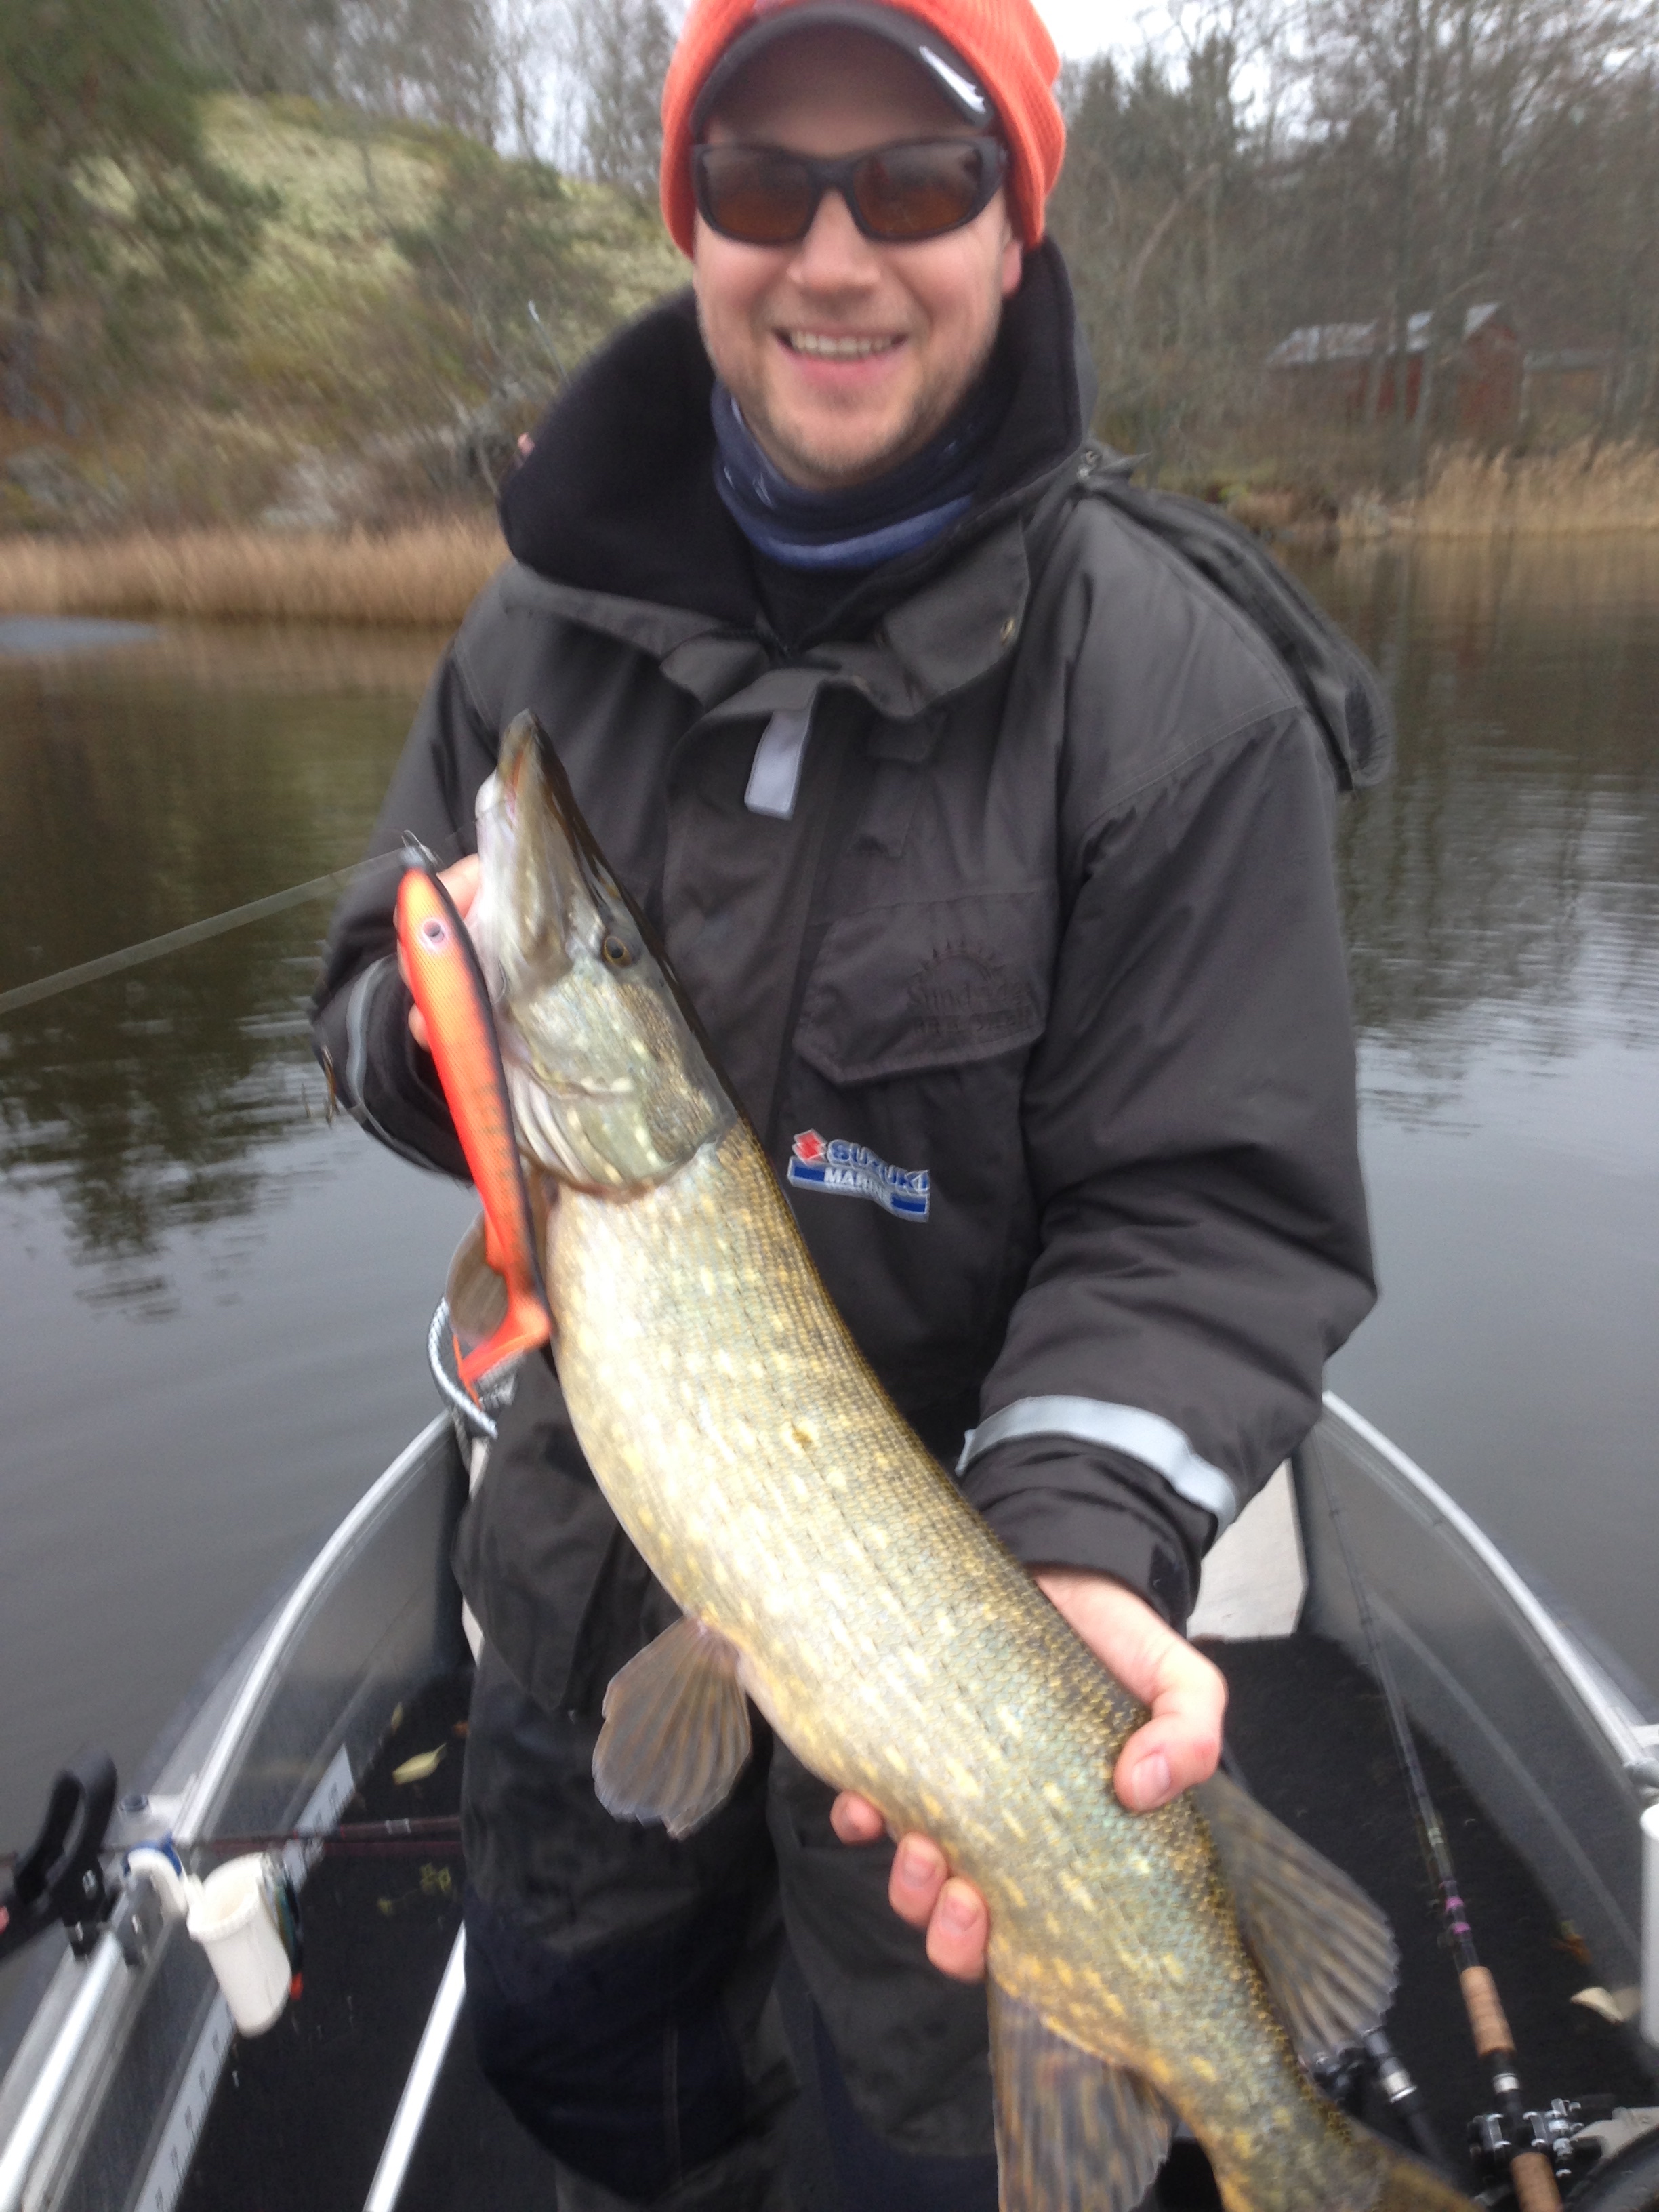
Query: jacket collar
616, 523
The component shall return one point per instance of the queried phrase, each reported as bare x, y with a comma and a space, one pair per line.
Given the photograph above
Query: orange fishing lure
449, 990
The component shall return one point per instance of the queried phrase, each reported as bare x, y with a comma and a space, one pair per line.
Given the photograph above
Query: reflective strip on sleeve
357, 1007
1157, 1444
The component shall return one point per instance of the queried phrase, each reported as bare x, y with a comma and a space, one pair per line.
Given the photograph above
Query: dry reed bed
423, 576
1582, 490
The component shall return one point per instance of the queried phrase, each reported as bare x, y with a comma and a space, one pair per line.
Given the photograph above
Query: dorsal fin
1326, 1952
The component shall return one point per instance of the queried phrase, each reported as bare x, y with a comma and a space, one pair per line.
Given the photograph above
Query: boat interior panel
1544, 1741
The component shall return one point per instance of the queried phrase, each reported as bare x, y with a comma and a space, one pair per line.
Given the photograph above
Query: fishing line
1531, 2174
193, 932
426, 1835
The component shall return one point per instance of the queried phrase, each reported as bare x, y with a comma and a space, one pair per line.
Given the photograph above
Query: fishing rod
436, 1834
193, 932
1507, 2136
175, 941
430, 1835
70, 1874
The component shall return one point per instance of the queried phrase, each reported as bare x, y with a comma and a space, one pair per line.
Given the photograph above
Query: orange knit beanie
1003, 42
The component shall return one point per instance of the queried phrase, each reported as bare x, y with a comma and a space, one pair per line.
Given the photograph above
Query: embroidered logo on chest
848, 1170
966, 996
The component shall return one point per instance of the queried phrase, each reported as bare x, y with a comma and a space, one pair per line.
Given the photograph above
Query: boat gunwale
73, 2045
202, 1794
1632, 1739
74, 2048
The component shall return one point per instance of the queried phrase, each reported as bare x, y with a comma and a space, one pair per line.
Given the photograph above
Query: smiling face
847, 356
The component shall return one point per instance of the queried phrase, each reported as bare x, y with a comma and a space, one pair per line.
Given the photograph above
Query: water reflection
1504, 886
147, 789
1507, 878
1503, 912
162, 1156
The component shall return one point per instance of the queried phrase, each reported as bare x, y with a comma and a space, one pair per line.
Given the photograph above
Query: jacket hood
617, 496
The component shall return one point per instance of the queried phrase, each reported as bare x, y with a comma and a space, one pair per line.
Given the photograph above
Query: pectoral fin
1074, 2133
1326, 1952
676, 1735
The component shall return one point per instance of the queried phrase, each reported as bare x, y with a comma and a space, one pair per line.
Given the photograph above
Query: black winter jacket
1035, 993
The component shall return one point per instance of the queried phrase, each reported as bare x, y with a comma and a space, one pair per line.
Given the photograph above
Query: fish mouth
527, 742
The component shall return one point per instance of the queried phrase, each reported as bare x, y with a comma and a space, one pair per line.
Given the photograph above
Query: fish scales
690, 1402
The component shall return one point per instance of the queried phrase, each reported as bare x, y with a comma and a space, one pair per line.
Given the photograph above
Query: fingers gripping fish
1144, 1967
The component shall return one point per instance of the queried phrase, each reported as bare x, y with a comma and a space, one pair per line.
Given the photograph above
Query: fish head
612, 1086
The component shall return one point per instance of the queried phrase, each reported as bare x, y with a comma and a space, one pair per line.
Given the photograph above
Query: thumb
1180, 1742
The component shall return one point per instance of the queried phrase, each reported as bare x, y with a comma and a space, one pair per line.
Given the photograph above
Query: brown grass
423, 576
1578, 492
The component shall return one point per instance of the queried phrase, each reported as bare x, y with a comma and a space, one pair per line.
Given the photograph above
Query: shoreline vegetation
1582, 491
277, 305
413, 575
284, 389
424, 572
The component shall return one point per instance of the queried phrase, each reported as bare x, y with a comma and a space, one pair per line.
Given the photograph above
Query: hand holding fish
1177, 1747
461, 881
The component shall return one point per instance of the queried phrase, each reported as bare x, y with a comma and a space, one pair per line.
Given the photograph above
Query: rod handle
1532, 2179
1488, 2025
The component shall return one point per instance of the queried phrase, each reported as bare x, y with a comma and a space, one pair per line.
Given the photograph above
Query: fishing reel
60, 1878
1346, 2075
1604, 2158
1497, 2139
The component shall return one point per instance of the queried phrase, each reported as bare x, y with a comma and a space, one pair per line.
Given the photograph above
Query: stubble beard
826, 465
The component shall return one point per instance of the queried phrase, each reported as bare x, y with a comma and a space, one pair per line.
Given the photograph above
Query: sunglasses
763, 196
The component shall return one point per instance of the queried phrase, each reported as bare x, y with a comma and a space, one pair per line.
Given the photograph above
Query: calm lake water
213, 1303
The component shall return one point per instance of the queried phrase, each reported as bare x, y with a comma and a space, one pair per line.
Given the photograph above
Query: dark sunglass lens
916, 191
752, 194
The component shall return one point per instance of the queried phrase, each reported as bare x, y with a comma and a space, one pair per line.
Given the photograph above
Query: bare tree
527, 47
1163, 210
614, 55
1443, 114
438, 60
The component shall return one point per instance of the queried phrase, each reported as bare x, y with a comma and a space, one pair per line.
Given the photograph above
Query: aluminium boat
126, 2088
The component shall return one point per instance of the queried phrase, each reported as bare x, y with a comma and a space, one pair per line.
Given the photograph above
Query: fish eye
434, 933
616, 951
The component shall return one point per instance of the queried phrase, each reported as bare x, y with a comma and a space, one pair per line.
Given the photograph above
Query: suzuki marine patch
831, 1163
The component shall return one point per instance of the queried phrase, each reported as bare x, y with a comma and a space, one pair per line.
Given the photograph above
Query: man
989, 844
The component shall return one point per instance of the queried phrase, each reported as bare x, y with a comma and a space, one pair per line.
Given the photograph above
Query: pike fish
1143, 1967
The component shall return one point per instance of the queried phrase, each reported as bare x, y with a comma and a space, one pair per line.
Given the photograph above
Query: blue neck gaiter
871, 523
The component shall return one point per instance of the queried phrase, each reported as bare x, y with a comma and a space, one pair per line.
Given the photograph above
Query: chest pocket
929, 983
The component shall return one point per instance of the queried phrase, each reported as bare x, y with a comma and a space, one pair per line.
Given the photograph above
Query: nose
835, 255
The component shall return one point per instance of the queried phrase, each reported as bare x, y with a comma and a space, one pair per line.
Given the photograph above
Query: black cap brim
938, 60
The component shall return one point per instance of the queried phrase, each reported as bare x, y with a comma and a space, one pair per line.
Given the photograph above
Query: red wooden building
1347, 372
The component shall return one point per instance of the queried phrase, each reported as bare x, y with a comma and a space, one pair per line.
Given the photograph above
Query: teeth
829, 348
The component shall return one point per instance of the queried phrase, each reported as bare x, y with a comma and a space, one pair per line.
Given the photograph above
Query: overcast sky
1084, 26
